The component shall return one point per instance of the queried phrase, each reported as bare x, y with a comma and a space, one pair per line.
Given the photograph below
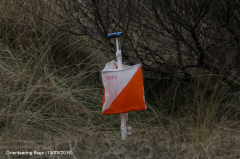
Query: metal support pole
124, 116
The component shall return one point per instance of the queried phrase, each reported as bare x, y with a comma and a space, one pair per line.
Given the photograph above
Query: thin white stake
122, 115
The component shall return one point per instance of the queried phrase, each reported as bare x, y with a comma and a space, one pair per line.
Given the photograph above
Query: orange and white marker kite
123, 88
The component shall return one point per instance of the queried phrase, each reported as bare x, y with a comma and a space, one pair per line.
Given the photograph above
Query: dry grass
147, 141
51, 95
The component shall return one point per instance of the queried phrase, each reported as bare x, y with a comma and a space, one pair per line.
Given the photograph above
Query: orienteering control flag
123, 89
